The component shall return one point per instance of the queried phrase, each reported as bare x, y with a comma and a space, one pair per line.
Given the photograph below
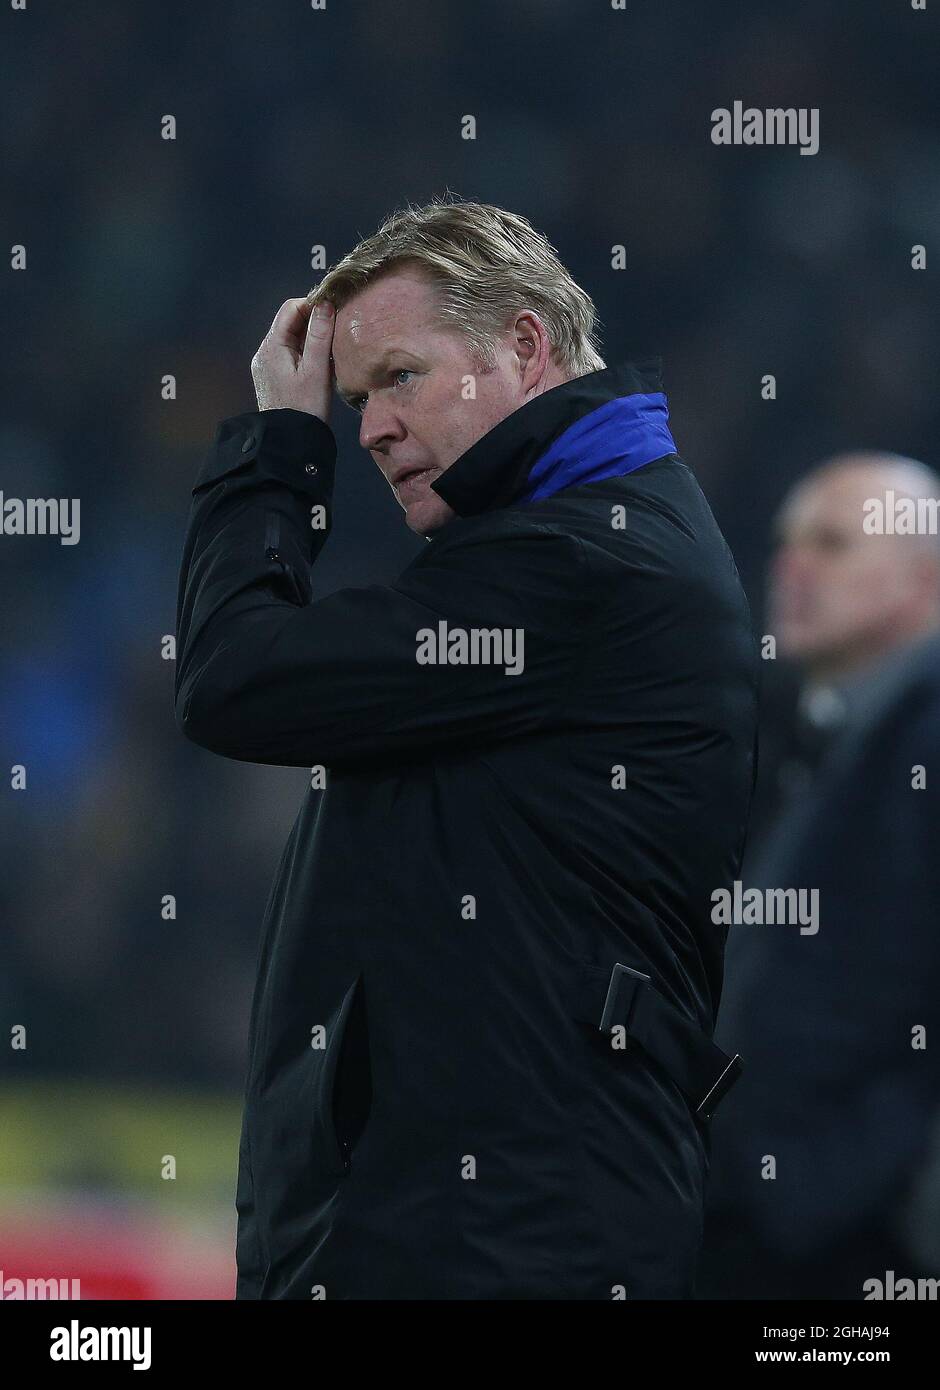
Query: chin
428, 515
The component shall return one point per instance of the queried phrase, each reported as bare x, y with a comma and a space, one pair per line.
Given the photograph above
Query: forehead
834, 500
397, 308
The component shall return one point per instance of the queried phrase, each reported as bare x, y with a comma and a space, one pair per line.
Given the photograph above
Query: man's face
408, 377
839, 595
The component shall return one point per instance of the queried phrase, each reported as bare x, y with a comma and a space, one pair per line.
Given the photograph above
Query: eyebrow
349, 396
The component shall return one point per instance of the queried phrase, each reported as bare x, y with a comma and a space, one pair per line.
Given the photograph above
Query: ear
531, 346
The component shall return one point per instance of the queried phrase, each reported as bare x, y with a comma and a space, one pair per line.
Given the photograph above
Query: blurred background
147, 257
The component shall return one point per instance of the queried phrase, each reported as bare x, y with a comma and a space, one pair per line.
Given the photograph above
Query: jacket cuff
289, 446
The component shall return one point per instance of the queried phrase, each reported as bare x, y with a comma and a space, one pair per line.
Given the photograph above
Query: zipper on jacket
272, 536
342, 1151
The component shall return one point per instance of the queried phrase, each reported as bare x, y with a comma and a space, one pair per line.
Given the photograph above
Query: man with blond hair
480, 1052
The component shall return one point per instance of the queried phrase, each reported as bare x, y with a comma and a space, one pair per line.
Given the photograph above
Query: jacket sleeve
268, 673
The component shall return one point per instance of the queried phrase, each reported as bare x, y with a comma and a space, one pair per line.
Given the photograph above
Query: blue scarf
617, 438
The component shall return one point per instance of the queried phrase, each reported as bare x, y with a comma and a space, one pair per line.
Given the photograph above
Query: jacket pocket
345, 1090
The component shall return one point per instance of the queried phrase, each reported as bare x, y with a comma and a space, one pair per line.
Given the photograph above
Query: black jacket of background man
431, 1109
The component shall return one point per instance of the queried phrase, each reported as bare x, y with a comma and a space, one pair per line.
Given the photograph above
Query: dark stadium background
149, 257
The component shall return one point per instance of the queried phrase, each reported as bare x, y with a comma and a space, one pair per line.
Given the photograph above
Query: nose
380, 425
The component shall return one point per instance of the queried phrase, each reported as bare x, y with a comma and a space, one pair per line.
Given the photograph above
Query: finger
290, 324
319, 338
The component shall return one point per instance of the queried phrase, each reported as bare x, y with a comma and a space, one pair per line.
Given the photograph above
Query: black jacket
837, 1089
429, 1112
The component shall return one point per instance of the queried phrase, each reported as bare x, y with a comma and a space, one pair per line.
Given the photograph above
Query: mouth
411, 481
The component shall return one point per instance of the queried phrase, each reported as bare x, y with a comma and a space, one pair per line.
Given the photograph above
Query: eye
831, 542
403, 371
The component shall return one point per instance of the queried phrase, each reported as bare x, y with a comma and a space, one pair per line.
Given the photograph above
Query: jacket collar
580, 431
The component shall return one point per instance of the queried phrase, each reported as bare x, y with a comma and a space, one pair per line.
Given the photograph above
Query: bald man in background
815, 1161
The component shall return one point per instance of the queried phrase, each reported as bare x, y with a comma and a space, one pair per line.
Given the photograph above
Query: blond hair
487, 265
